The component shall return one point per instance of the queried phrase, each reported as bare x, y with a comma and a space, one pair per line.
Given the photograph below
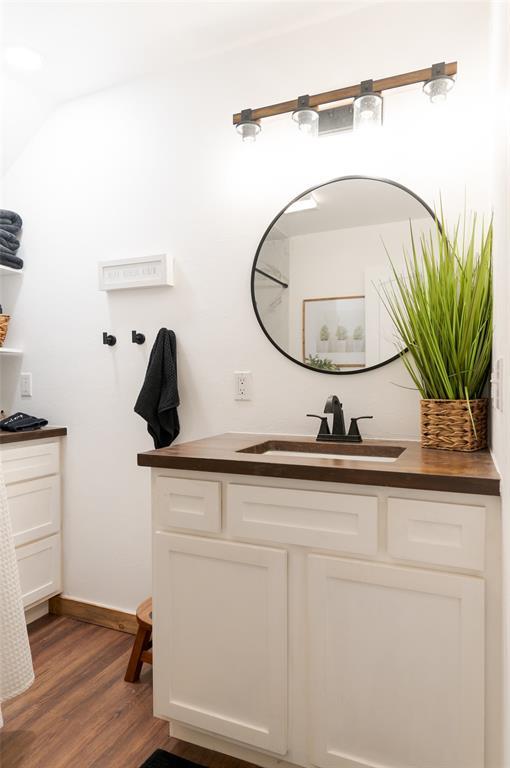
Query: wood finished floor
80, 713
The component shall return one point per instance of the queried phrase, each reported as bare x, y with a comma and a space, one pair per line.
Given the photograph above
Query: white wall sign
144, 272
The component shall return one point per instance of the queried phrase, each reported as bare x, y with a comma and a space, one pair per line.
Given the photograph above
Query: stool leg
142, 639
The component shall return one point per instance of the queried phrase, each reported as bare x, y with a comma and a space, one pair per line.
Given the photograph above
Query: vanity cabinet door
220, 638
396, 666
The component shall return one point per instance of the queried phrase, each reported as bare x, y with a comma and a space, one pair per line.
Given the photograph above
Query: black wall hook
109, 339
137, 338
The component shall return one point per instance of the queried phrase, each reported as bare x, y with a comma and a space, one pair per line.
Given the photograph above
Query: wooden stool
142, 647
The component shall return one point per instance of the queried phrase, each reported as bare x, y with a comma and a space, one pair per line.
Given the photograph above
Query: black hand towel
22, 422
159, 397
10, 221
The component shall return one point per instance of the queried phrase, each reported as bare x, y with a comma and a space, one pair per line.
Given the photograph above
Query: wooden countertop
32, 434
415, 467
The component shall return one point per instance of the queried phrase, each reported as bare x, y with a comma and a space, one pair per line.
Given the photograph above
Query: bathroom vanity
322, 611
31, 464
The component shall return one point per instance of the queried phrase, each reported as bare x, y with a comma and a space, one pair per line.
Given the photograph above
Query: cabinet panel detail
220, 638
190, 504
39, 569
437, 533
34, 507
30, 461
397, 666
316, 519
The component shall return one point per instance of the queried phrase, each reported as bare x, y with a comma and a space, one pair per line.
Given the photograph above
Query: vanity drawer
437, 533
333, 521
39, 569
34, 508
30, 461
191, 504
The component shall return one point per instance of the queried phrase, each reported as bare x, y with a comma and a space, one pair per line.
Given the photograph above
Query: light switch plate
26, 385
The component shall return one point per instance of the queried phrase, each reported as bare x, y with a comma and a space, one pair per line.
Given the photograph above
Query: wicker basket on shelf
4, 325
448, 424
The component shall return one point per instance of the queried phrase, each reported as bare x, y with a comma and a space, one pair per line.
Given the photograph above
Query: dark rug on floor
162, 759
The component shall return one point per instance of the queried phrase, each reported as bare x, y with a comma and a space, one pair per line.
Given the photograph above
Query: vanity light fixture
367, 107
438, 85
362, 103
305, 116
247, 127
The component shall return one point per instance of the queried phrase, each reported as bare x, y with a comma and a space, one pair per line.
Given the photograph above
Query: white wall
500, 164
155, 165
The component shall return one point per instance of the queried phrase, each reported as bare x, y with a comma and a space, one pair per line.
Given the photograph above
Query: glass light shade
437, 88
306, 119
248, 130
367, 111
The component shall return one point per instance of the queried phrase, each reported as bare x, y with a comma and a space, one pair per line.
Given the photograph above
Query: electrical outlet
242, 385
25, 384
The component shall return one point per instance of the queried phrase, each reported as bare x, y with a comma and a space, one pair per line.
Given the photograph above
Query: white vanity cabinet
221, 613
32, 473
329, 625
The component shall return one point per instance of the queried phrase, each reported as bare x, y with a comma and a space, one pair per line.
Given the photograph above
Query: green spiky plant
442, 310
322, 363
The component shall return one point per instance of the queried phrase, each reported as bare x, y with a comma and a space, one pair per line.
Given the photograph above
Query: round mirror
320, 268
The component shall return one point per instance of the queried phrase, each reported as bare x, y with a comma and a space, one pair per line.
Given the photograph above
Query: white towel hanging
16, 671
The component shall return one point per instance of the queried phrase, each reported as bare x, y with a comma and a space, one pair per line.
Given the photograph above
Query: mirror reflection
319, 270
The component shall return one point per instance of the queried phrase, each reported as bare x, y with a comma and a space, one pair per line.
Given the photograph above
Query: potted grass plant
441, 306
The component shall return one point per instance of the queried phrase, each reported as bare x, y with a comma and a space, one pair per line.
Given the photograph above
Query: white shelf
10, 351
9, 270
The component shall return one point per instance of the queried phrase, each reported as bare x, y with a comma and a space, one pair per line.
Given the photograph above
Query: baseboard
93, 614
36, 612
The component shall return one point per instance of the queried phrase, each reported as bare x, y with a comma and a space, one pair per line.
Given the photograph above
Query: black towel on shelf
10, 221
159, 397
8, 260
8, 241
22, 422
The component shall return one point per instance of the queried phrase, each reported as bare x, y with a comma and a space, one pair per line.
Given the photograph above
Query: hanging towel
159, 397
8, 242
16, 671
10, 221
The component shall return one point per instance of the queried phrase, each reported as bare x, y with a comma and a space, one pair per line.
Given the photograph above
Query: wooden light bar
341, 94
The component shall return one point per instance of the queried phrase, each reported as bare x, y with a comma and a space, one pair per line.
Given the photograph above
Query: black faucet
338, 434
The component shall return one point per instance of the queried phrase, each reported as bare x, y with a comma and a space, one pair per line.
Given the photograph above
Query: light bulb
306, 119
247, 127
248, 131
367, 111
438, 85
437, 88
306, 116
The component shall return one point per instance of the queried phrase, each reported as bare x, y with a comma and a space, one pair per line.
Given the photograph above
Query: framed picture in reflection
334, 332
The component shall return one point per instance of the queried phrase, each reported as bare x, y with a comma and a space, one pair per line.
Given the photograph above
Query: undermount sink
345, 452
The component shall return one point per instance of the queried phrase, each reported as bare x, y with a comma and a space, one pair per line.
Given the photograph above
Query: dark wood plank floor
80, 713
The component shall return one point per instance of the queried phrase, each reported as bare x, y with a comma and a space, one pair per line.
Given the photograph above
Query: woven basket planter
447, 424
4, 325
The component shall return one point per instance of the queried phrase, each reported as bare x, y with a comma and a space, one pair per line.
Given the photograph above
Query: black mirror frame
271, 225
